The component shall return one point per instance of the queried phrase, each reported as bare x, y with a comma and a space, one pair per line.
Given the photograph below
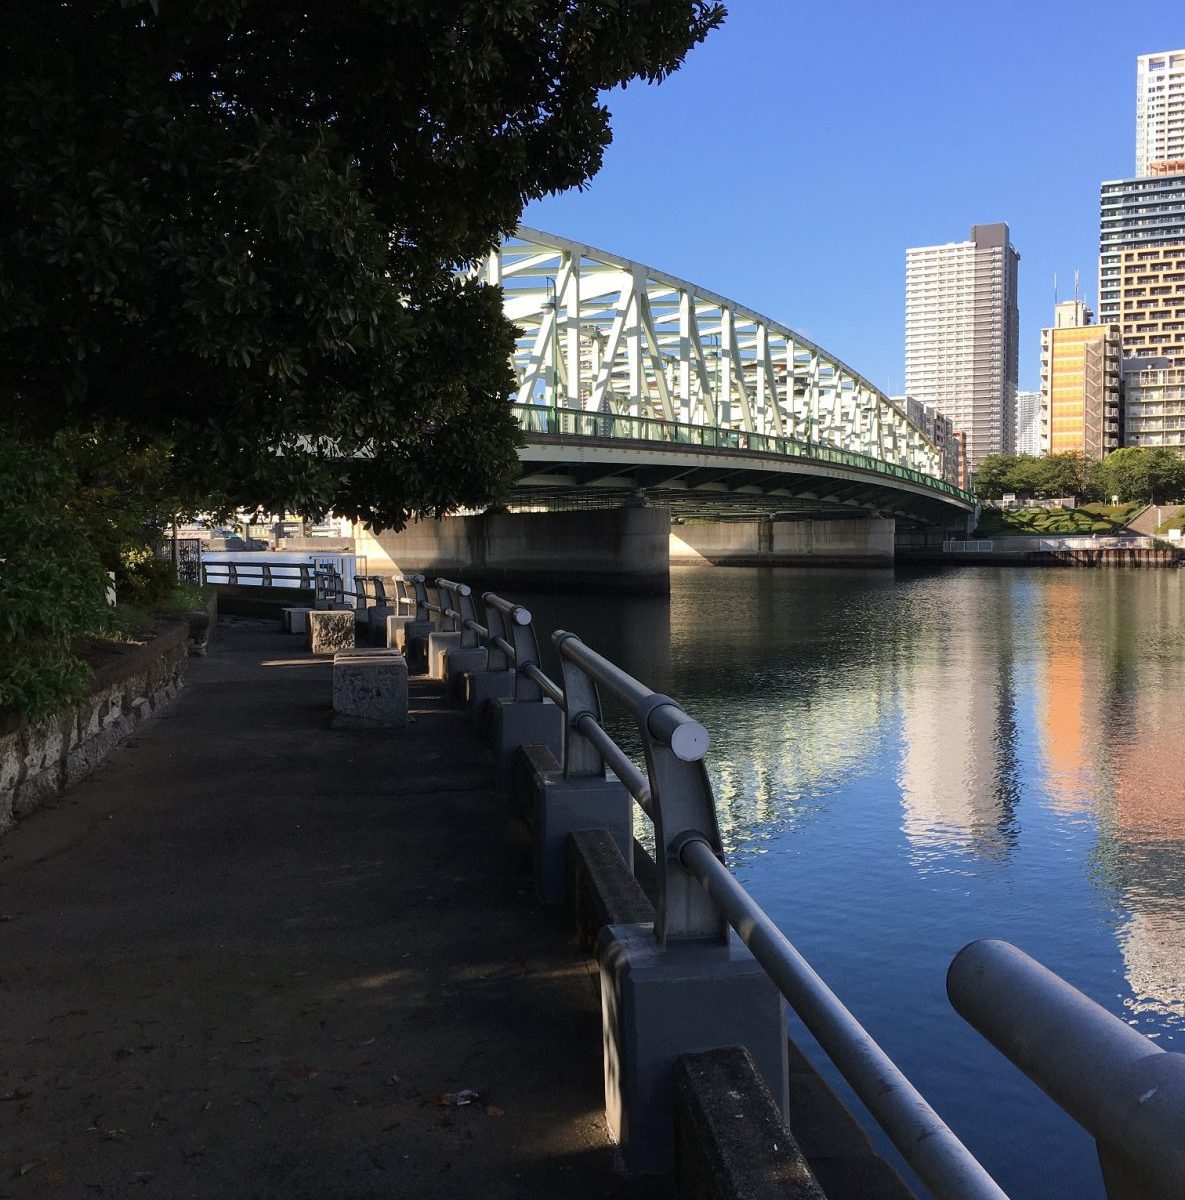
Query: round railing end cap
689, 741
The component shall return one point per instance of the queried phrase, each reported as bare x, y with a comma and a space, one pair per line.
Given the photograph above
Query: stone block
563, 806
515, 723
330, 630
86, 756
411, 630
457, 662
12, 759
438, 645
377, 616
658, 1003
369, 691
731, 1142
45, 743
294, 620
478, 688
395, 627
34, 790
602, 890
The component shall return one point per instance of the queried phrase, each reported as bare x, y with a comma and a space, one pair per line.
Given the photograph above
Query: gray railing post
379, 613
232, 575
682, 983
266, 581
454, 651
579, 795
409, 631
528, 718
496, 682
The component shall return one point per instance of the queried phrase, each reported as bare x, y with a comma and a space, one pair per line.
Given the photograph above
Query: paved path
250, 955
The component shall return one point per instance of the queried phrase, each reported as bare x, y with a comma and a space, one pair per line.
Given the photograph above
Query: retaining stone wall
41, 759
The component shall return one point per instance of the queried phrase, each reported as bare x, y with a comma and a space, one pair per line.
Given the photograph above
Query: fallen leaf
56, 1175
368, 1042
25, 1168
18, 1094
305, 1072
457, 1099
492, 1110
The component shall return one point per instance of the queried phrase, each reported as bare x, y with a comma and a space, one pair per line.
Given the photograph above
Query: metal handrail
928, 1144
652, 429
1126, 1091
702, 900
265, 571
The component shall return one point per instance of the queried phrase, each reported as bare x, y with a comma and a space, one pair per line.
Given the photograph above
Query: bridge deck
246, 956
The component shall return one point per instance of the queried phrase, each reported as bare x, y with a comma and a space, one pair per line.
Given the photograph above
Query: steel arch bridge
633, 380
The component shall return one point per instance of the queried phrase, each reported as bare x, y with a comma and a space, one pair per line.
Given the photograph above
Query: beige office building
1079, 384
961, 333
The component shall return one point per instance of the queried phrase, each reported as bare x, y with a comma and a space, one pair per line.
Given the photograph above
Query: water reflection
958, 779
934, 758
1069, 697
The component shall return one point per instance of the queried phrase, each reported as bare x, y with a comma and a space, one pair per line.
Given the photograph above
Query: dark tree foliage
1049, 476
1152, 475
232, 228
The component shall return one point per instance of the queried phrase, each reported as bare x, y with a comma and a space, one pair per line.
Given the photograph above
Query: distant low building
951, 442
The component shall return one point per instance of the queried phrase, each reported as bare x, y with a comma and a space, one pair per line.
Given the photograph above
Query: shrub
52, 585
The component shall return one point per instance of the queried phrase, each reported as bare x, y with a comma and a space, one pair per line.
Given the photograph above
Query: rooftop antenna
1055, 289
1075, 285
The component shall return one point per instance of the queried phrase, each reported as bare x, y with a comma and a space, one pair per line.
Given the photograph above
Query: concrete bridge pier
859, 540
609, 549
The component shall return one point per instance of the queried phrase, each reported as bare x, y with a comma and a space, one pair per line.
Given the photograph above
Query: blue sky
803, 147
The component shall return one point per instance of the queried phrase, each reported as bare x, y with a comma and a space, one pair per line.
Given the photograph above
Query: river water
905, 762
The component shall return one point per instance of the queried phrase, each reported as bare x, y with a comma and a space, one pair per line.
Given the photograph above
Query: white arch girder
601, 333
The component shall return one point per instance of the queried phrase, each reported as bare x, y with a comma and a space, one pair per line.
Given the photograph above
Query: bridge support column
857, 541
622, 550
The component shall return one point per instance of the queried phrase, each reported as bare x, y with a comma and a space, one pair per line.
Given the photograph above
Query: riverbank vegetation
1054, 522
234, 267
1133, 475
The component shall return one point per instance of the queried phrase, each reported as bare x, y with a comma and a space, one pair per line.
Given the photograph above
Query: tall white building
1160, 113
962, 326
1028, 423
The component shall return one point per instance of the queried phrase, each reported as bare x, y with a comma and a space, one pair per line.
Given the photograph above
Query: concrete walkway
253, 957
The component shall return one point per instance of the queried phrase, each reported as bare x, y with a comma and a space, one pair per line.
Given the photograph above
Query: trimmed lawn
1176, 521
1057, 522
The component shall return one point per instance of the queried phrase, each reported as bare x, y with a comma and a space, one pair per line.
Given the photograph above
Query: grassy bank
1055, 522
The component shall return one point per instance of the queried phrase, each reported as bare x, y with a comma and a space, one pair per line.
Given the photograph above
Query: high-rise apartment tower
1160, 113
1142, 259
1028, 423
962, 327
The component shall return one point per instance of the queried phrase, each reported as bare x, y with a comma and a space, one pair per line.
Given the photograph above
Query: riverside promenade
252, 956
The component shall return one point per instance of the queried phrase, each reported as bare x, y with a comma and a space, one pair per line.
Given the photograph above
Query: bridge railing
698, 899
568, 422
1127, 1092
259, 573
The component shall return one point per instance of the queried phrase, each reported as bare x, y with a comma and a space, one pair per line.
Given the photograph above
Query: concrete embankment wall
621, 549
860, 541
1026, 552
40, 759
